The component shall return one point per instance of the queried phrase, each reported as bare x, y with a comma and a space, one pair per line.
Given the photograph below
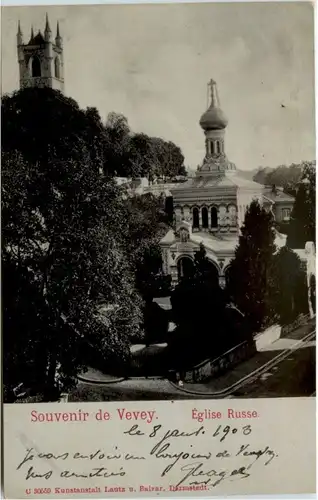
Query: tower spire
19, 34
47, 31
58, 38
47, 24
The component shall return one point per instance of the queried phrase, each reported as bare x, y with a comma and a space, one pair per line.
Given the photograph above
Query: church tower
41, 59
214, 123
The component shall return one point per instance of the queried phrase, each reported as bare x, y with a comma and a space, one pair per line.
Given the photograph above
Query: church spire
19, 35
47, 24
58, 38
47, 31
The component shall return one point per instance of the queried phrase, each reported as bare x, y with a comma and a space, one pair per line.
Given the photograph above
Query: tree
117, 146
290, 285
284, 176
250, 276
63, 250
146, 224
43, 124
129, 154
141, 156
168, 160
302, 227
198, 309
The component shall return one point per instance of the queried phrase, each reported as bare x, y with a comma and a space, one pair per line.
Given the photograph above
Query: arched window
205, 218
214, 217
57, 68
185, 267
217, 147
36, 67
196, 220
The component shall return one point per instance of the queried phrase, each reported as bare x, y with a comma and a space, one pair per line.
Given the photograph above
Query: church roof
37, 39
221, 242
216, 243
169, 238
208, 181
277, 194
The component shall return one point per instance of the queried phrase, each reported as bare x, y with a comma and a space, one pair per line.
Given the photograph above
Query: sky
153, 62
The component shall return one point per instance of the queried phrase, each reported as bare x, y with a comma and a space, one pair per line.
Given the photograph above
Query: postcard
158, 250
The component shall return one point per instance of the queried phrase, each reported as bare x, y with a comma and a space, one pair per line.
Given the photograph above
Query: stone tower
41, 59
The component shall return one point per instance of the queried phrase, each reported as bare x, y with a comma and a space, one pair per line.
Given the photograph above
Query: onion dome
213, 118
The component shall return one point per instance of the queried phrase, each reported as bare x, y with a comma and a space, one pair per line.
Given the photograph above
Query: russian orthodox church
41, 59
210, 207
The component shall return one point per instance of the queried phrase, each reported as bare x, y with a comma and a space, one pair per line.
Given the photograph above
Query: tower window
217, 147
36, 67
214, 217
205, 218
57, 72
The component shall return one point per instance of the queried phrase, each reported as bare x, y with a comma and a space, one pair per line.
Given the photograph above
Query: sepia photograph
158, 202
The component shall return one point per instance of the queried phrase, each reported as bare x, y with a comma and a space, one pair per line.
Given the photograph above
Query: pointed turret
47, 31
19, 35
58, 38
32, 33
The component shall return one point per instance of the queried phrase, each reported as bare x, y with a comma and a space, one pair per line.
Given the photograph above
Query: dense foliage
284, 176
302, 227
138, 155
61, 233
75, 251
291, 297
207, 325
250, 276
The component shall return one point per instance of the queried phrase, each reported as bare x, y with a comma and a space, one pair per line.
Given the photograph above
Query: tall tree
302, 227
43, 124
250, 277
168, 159
291, 297
63, 248
146, 224
117, 146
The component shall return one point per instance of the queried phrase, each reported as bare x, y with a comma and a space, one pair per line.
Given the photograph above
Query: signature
210, 477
